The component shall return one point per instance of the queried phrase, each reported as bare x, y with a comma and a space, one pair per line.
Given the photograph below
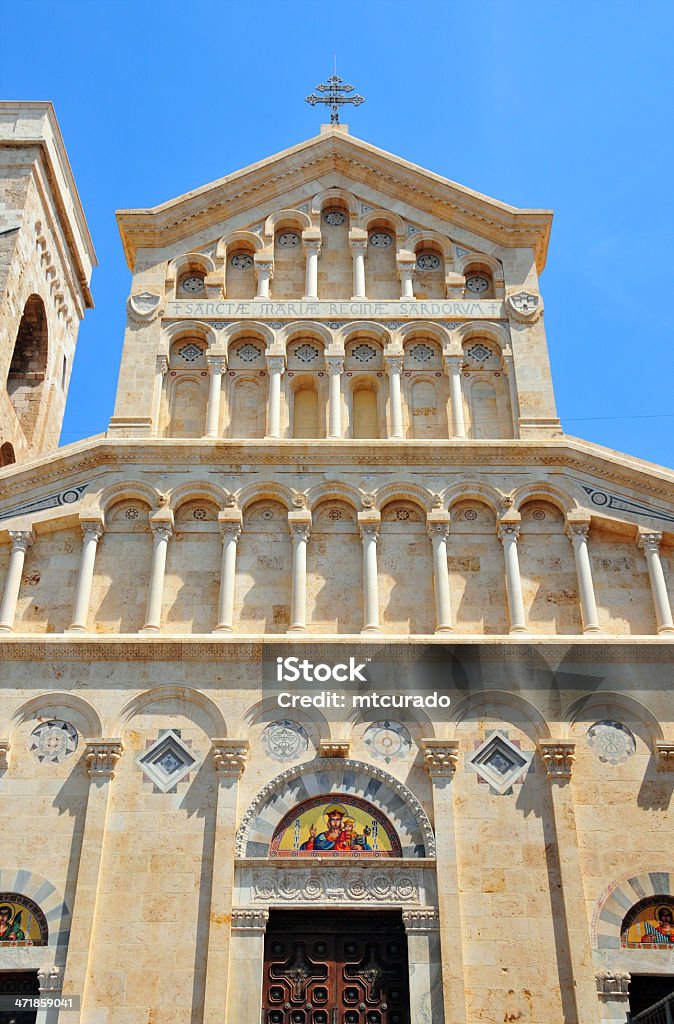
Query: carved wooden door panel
332, 967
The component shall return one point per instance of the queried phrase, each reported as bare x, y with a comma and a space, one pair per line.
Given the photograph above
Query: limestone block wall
48, 582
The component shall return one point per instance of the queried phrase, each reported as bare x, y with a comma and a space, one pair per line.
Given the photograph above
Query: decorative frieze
101, 757
558, 757
336, 885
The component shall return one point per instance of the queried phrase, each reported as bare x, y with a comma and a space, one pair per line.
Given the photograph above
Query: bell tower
46, 259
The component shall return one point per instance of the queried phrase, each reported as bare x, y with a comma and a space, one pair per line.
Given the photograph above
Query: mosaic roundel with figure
388, 741
612, 742
52, 742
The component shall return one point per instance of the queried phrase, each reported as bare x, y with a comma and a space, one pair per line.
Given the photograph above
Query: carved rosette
250, 919
664, 751
440, 756
101, 757
332, 748
558, 757
229, 757
425, 919
615, 984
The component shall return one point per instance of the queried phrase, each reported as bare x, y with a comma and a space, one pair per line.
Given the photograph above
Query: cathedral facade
335, 677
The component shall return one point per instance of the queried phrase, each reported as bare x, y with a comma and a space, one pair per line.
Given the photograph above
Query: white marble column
649, 543
394, 365
369, 531
216, 368
422, 927
229, 759
299, 524
440, 759
509, 535
453, 366
21, 541
335, 370
438, 530
162, 531
358, 253
276, 367
161, 369
92, 531
230, 527
264, 269
312, 249
246, 962
406, 268
577, 533
102, 756
574, 945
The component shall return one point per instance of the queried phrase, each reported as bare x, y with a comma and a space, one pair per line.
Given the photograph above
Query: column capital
577, 531
649, 540
249, 919
664, 752
509, 530
357, 235
300, 529
423, 919
5, 746
229, 757
92, 526
50, 979
437, 528
558, 756
217, 364
453, 363
264, 261
334, 748
335, 365
275, 363
614, 984
101, 757
369, 522
358, 245
230, 520
162, 365
440, 756
22, 539
162, 525
312, 245
394, 361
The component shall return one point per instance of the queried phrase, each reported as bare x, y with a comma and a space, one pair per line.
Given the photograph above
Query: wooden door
335, 967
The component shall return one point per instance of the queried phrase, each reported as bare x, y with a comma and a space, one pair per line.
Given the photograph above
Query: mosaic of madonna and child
335, 825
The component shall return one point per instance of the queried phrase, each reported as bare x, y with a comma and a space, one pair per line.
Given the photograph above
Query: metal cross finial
336, 97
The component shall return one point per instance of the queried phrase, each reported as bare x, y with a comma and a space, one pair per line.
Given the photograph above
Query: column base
150, 630
358, 298
223, 629
665, 629
370, 630
6, 629
76, 629
296, 629
592, 629
310, 298
521, 630
444, 629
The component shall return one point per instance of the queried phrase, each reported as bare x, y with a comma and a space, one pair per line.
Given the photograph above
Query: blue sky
562, 105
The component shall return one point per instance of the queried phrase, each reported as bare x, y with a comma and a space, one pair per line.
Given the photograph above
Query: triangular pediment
302, 170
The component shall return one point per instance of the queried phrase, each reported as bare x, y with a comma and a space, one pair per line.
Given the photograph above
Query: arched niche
262, 599
192, 578
405, 564
122, 568
425, 388
334, 573
547, 570
476, 570
28, 366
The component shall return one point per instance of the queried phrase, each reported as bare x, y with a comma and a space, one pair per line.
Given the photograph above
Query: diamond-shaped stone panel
167, 761
499, 762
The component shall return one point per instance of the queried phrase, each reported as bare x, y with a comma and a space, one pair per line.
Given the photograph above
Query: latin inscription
370, 310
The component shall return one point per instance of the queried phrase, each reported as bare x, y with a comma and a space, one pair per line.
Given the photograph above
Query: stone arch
283, 218
300, 327
233, 238
563, 500
531, 713
248, 327
604, 698
619, 897
184, 328
28, 365
440, 334
404, 492
336, 489
7, 455
365, 328
355, 777
424, 725
197, 489
472, 489
393, 219
269, 706
270, 490
179, 264
494, 332
51, 902
348, 198
136, 704
434, 238
491, 262
46, 702
127, 489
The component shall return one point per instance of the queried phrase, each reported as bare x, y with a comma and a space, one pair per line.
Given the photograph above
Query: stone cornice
329, 152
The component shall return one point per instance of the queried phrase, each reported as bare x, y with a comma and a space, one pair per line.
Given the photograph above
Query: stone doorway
647, 989
335, 967
17, 985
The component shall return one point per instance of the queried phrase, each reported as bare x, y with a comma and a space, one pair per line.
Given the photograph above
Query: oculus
190, 352
284, 741
612, 742
53, 742
334, 218
381, 239
428, 261
649, 924
478, 284
289, 239
338, 824
167, 761
192, 284
499, 762
388, 741
242, 261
